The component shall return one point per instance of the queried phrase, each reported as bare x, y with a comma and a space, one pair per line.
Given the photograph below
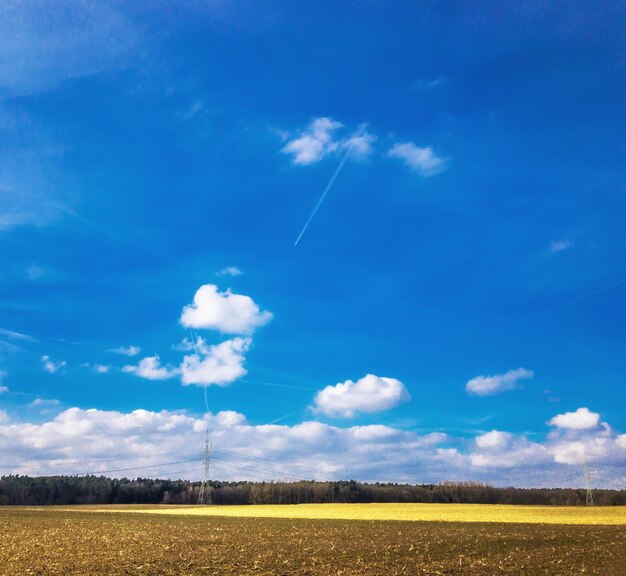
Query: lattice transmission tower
206, 456
588, 483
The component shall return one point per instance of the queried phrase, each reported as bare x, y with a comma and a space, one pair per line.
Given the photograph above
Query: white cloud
319, 140
369, 394
220, 364
44, 402
515, 453
4, 389
45, 405
563, 447
489, 385
129, 351
51, 366
360, 143
570, 453
230, 271
424, 161
75, 440
4, 416
582, 419
313, 143
494, 439
81, 441
223, 311
185, 346
557, 246
151, 369
98, 368
590, 449
621, 441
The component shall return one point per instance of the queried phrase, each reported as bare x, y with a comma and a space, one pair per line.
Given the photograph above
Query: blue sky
454, 310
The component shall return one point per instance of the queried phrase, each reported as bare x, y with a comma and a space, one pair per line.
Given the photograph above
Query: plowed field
56, 542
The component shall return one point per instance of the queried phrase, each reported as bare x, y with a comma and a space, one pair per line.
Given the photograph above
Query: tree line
48, 490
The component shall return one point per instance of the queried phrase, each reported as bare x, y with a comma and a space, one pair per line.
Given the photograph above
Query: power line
93, 473
257, 460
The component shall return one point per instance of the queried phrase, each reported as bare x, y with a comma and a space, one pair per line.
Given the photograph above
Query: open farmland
56, 541
614, 515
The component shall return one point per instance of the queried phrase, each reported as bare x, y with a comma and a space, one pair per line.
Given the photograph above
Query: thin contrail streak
193, 343
275, 384
326, 190
574, 300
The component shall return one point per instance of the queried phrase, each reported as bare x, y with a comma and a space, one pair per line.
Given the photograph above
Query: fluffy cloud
489, 385
360, 143
494, 439
51, 366
224, 311
591, 449
424, 161
129, 351
553, 462
313, 143
151, 369
369, 394
318, 140
220, 364
582, 419
3, 389
515, 453
81, 441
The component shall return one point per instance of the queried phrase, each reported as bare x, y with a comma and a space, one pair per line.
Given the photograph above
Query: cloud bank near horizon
77, 441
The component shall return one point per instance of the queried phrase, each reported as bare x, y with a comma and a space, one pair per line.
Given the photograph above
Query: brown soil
72, 543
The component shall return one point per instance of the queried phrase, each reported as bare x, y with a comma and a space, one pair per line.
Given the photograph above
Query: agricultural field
89, 541
614, 515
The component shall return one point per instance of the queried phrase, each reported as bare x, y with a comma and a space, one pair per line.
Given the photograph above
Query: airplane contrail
326, 190
193, 343
573, 300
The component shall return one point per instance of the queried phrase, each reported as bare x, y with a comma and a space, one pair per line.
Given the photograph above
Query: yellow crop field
579, 515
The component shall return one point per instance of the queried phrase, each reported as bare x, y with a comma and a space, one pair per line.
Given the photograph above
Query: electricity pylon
588, 479
204, 498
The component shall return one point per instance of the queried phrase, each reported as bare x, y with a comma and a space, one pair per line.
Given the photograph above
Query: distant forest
47, 490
